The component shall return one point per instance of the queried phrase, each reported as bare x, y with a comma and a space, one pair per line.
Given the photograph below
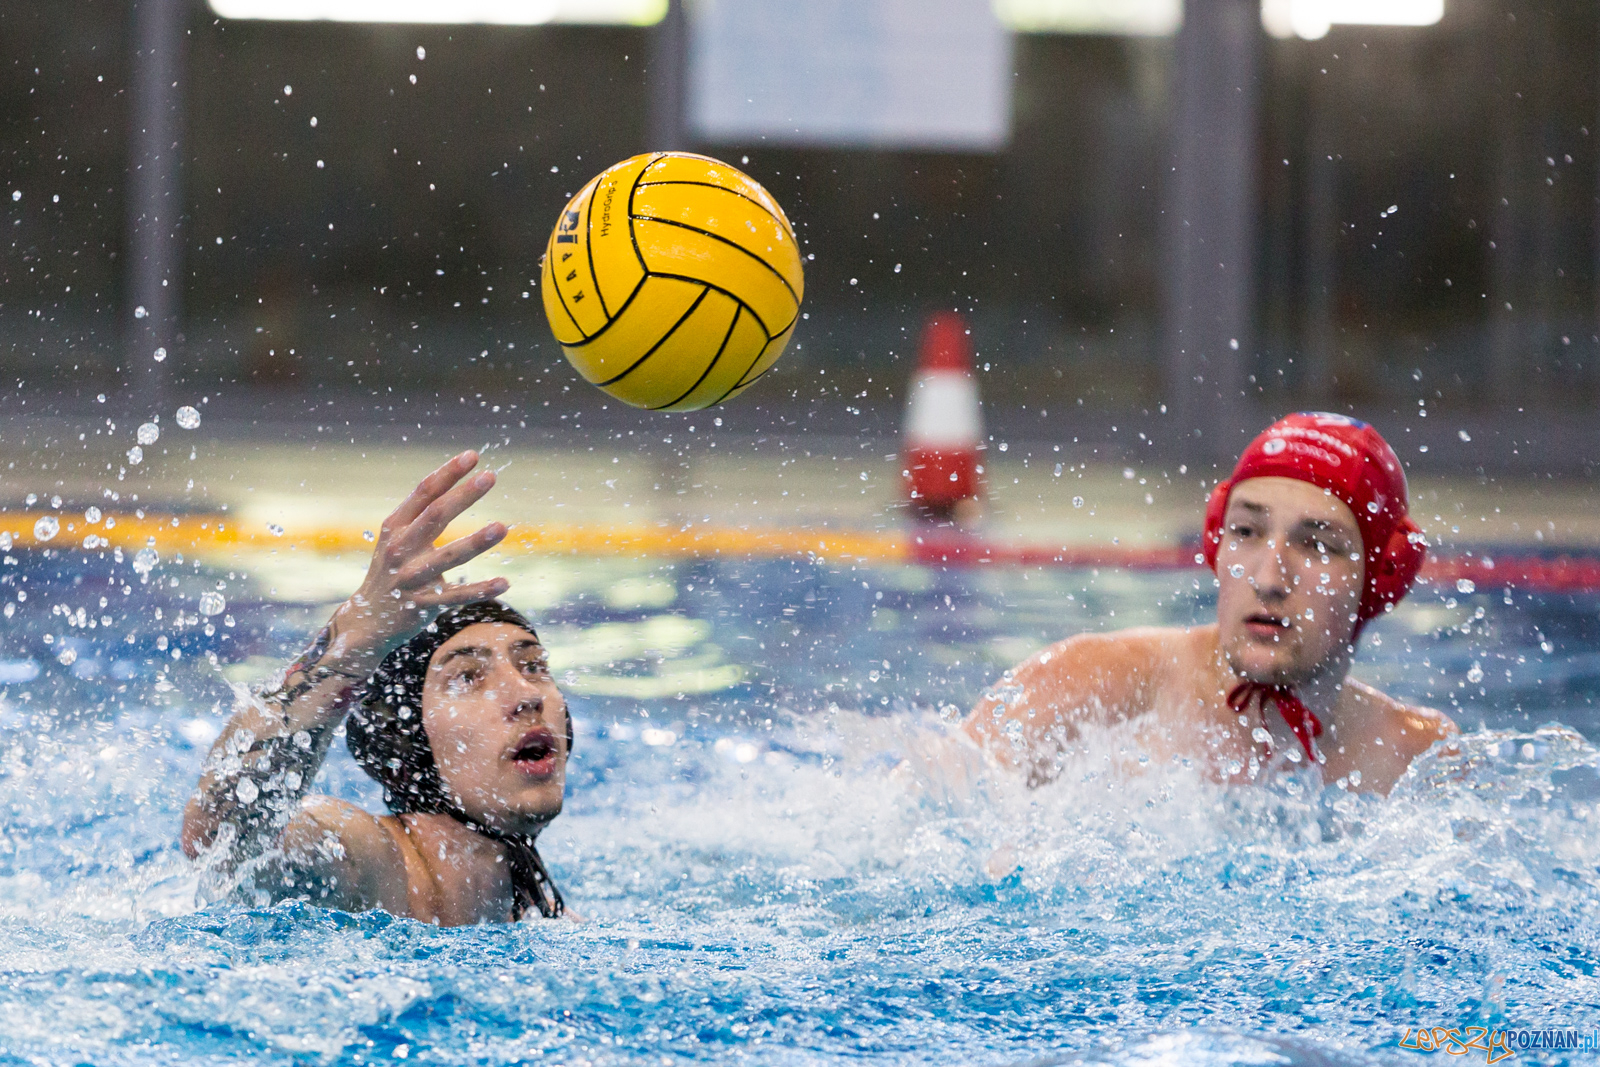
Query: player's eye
1242, 530
539, 665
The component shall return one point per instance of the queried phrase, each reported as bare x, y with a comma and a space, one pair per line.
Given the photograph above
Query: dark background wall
390, 244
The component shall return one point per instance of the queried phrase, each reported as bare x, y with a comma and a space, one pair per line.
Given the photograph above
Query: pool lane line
216, 533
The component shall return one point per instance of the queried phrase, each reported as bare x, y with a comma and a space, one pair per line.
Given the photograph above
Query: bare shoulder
346, 854
1414, 728
1103, 678
1133, 653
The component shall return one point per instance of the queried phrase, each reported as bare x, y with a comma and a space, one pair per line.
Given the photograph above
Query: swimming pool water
766, 877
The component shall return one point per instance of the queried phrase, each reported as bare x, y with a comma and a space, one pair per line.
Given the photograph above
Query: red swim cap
1353, 462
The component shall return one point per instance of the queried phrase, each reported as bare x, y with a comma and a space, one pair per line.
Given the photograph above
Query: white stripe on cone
944, 431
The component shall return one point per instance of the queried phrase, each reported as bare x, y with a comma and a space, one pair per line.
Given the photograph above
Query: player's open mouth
535, 752
1267, 626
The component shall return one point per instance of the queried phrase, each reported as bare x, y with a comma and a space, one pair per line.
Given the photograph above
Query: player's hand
406, 582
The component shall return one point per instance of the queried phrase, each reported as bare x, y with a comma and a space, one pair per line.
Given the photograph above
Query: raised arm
1037, 708
250, 792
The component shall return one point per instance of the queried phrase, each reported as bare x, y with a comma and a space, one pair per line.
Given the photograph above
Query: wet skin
497, 726
495, 720
1290, 571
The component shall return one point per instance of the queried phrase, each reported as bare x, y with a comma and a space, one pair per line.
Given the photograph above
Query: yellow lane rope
216, 533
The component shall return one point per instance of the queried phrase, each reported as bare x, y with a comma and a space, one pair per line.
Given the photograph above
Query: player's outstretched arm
1028, 717
261, 766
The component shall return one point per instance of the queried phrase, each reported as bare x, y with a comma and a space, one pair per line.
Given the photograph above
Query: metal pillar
1321, 271
154, 253
669, 79
1210, 205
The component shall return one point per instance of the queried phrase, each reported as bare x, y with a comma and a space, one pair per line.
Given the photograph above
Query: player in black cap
448, 703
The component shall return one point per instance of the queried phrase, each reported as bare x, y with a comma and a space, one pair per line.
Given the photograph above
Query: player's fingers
430, 565
430, 489
427, 526
444, 595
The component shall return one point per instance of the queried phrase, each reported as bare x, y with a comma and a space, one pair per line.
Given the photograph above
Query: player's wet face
497, 726
1291, 571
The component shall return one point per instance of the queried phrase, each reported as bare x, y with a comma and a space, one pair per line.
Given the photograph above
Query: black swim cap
386, 736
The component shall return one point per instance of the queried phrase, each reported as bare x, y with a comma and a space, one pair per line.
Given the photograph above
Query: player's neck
1320, 693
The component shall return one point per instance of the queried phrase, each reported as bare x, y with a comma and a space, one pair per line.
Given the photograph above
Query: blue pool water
766, 874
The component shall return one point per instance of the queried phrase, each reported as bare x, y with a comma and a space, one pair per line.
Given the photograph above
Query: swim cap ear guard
1350, 460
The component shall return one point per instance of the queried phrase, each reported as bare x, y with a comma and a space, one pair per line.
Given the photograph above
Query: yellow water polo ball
672, 281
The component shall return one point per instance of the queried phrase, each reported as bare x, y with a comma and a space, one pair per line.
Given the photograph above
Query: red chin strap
1301, 719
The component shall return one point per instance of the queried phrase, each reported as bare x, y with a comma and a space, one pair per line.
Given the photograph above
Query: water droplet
1464, 435
1127, 473
139, 312
145, 560
31, 499
1466, 585
160, 355
247, 791
1237, 570
275, 529
135, 455
5, 540
1372, 506
897, 268
188, 417
1004, 446
212, 603
67, 657
16, 194
313, 122
46, 528
1260, 736
288, 90
55, 501
1475, 674
149, 433
422, 53
1058, 470
1077, 501
92, 515
366, 535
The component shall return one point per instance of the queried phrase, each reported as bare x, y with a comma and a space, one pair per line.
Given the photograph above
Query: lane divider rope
216, 534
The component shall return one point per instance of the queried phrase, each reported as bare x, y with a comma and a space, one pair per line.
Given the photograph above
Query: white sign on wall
912, 74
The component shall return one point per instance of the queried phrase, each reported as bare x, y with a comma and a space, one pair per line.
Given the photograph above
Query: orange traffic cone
944, 426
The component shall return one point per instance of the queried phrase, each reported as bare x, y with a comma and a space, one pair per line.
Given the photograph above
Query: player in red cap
1309, 539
